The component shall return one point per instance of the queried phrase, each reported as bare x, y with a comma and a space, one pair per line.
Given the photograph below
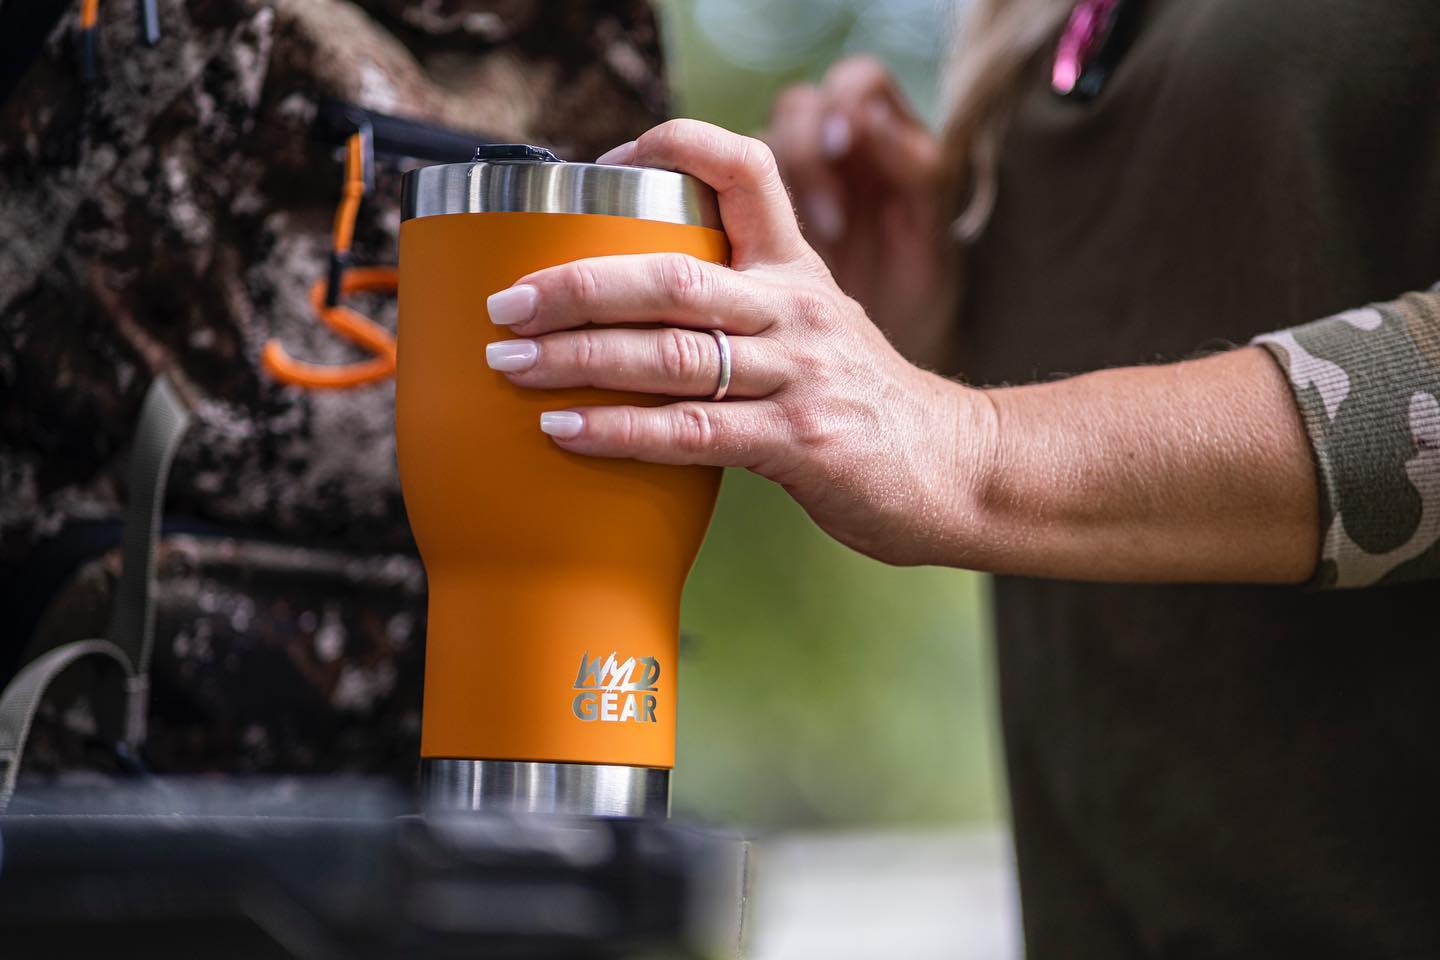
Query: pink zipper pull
1085, 32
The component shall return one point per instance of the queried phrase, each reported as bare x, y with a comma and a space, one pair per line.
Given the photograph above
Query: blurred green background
820, 688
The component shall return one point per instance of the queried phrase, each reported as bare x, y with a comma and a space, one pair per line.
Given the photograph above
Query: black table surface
323, 867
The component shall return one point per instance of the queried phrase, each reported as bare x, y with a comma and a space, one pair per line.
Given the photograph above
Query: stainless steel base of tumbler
574, 789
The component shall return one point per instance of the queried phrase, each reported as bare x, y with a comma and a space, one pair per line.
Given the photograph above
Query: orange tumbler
555, 579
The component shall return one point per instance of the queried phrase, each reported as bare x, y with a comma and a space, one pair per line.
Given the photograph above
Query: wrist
974, 539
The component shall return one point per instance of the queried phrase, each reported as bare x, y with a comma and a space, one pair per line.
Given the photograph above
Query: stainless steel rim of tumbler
571, 789
538, 187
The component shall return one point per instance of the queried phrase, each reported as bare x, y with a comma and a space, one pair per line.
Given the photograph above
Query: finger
753, 203
885, 133
668, 361
894, 144
636, 288
718, 434
804, 135
859, 79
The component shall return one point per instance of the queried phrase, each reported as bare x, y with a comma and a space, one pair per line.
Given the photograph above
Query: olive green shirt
1217, 770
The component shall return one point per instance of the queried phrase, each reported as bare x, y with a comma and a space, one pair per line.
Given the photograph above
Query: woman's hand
1193, 471
876, 450
866, 177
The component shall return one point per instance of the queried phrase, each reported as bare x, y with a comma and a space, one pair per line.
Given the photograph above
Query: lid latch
513, 152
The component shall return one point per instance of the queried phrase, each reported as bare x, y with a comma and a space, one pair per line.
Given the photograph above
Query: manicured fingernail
562, 424
622, 154
823, 214
513, 305
835, 136
512, 356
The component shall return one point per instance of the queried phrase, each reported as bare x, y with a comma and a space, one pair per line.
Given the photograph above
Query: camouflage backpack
169, 218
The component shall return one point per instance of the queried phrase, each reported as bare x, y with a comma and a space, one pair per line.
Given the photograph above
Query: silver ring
723, 342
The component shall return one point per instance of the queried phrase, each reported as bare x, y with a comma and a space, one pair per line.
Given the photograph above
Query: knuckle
586, 348
582, 282
685, 280
812, 308
807, 366
626, 429
694, 427
664, 137
681, 360
811, 426
757, 160
758, 157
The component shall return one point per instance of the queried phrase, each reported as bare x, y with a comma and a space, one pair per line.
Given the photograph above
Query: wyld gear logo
610, 691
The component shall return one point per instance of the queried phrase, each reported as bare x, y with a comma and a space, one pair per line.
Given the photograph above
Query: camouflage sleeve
1367, 383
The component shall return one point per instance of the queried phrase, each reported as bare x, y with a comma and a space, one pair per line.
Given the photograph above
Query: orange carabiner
342, 320
348, 324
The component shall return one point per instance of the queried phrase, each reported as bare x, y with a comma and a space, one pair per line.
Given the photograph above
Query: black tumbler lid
512, 153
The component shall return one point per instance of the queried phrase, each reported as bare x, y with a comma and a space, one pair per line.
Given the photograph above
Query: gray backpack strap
22, 697
131, 631
163, 421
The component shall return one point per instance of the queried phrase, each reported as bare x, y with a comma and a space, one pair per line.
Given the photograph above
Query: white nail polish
512, 305
835, 136
823, 214
512, 356
562, 424
621, 155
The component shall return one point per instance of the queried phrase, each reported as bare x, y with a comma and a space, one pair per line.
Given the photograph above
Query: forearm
1220, 469
1195, 471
